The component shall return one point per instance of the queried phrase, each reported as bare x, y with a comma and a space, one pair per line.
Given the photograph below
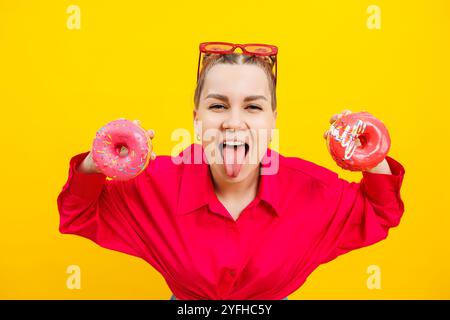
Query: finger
346, 111
339, 115
123, 151
151, 133
334, 118
325, 134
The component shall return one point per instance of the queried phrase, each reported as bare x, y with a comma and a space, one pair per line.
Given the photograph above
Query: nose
234, 121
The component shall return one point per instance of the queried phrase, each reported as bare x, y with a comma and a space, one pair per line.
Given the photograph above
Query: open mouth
235, 145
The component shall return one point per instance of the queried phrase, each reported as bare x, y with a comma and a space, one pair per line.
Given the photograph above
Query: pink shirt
169, 215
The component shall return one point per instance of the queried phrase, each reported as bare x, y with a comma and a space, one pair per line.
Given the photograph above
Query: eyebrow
225, 98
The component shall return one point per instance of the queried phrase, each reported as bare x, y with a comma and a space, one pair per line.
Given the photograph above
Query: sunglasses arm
276, 69
198, 64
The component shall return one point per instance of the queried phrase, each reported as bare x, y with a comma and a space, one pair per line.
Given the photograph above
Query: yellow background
138, 59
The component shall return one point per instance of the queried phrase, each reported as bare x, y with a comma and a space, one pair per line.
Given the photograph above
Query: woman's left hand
382, 167
334, 118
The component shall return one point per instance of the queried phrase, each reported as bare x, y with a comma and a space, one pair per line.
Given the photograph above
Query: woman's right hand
88, 165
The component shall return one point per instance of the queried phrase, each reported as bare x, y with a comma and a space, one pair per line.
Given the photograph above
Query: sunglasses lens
259, 49
218, 47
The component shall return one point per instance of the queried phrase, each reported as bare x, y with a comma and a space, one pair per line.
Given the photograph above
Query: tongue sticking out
233, 158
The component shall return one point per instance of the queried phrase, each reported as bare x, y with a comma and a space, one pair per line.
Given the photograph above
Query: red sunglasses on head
252, 49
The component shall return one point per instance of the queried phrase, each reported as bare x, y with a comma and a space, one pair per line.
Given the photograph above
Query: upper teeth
234, 143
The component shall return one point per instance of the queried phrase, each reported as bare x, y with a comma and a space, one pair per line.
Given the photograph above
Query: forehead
232, 79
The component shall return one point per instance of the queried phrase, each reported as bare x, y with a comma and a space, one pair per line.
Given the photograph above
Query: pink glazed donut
108, 143
373, 137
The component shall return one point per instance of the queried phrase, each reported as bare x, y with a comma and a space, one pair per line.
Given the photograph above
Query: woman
244, 222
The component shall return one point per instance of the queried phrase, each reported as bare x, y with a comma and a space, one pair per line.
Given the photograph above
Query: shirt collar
196, 180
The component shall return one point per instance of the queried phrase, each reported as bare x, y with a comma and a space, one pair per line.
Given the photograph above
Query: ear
196, 124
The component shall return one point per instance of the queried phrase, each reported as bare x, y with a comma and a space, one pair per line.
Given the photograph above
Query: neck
229, 189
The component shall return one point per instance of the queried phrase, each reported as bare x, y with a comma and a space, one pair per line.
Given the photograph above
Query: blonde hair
211, 59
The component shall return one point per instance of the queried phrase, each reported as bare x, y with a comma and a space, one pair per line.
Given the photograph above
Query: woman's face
235, 119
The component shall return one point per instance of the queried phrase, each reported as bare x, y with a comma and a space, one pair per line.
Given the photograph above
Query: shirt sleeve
90, 205
362, 213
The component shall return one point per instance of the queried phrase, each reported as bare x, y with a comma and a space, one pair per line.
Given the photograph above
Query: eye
217, 106
254, 107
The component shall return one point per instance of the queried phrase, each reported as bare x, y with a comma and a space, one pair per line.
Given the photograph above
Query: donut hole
121, 150
362, 140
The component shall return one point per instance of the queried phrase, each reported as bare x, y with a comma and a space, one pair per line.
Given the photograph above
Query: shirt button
232, 273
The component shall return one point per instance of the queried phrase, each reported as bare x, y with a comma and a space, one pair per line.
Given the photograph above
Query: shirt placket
231, 271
